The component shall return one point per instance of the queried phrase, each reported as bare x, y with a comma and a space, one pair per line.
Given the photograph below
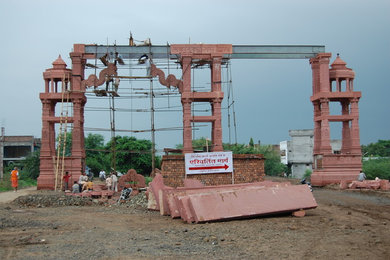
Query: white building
297, 153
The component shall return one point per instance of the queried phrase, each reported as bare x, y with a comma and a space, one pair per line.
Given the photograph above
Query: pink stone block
163, 201
343, 185
155, 186
192, 183
152, 204
184, 208
171, 195
173, 205
384, 185
367, 184
254, 201
299, 213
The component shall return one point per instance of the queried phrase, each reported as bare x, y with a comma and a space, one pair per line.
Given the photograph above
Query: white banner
201, 163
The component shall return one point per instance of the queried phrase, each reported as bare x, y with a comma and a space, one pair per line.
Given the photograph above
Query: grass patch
5, 183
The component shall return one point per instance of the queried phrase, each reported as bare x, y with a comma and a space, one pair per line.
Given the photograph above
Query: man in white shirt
102, 175
114, 182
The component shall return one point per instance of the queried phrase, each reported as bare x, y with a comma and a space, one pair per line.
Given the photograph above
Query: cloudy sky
271, 96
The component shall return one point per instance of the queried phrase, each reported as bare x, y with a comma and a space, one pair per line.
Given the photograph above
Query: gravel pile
51, 199
137, 201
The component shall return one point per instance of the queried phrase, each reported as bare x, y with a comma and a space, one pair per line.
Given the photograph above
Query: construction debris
55, 199
198, 203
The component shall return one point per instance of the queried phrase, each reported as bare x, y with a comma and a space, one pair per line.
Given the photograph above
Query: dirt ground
346, 225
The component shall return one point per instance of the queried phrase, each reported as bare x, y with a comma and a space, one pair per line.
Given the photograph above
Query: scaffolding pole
2, 154
152, 113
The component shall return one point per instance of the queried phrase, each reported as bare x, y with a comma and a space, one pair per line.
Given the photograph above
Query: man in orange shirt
15, 178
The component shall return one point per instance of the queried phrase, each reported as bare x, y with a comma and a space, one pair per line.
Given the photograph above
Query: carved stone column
355, 136
325, 129
186, 103
346, 132
317, 128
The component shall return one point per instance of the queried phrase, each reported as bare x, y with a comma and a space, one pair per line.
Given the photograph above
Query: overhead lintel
239, 51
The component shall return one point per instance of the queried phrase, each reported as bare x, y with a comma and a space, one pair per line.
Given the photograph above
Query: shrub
377, 168
147, 180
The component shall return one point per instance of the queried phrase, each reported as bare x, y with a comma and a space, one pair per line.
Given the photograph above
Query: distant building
16, 148
297, 154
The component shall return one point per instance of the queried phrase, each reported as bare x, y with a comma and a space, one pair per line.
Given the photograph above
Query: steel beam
239, 51
276, 51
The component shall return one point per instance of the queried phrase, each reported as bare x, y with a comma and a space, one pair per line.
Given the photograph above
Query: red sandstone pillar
315, 75
317, 128
216, 104
346, 165
45, 140
217, 127
187, 129
325, 129
346, 132
79, 100
355, 136
187, 115
323, 72
78, 129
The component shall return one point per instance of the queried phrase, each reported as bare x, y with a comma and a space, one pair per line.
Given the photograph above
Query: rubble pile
51, 200
138, 201
60, 200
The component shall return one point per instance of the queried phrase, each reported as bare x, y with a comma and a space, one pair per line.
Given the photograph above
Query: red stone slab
163, 202
152, 204
192, 183
385, 185
173, 209
173, 205
249, 202
184, 208
155, 186
367, 184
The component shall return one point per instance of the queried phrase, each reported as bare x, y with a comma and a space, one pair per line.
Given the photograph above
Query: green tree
251, 143
377, 168
378, 149
132, 154
272, 165
30, 166
67, 140
200, 144
96, 158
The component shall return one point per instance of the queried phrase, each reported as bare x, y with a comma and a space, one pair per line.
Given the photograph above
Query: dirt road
9, 196
346, 225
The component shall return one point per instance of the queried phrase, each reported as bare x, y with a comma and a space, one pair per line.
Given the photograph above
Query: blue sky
271, 96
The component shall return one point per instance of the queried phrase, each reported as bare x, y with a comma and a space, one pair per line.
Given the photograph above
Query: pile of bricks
197, 203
